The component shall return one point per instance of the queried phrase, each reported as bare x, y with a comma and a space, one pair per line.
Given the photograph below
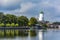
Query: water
50, 34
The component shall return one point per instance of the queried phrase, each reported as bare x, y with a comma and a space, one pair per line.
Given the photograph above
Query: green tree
23, 21
32, 21
44, 25
10, 18
56, 23
1, 17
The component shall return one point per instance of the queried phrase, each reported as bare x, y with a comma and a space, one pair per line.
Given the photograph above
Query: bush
12, 24
45, 25
16, 25
8, 25
2, 25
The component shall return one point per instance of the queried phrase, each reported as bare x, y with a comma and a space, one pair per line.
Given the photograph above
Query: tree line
10, 20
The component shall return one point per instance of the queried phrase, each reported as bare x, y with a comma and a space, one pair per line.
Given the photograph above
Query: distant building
54, 26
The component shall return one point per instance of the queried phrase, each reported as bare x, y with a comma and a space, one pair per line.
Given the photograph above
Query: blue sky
32, 8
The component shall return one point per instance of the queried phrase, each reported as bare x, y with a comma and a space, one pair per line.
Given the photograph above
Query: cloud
51, 4
24, 7
6, 5
8, 2
51, 8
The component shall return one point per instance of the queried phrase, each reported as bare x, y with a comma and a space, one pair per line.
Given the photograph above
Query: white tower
41, 16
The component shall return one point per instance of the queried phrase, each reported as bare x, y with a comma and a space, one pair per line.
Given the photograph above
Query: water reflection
40, 33
51, 34
21, 35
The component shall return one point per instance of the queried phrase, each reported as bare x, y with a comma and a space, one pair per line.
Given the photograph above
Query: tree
56, 23
1, 17
45, 25
23, 21
10, 18
13, 19
33, 21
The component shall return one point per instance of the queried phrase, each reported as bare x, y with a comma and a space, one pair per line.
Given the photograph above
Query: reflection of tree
23, 33
13, 33
32, 33
1, 33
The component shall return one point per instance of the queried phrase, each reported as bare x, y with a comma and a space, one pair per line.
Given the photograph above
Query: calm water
51, 34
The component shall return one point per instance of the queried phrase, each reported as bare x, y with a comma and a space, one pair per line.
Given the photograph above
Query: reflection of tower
41, 16
40, 35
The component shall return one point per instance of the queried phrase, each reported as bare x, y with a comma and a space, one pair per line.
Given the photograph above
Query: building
54, 25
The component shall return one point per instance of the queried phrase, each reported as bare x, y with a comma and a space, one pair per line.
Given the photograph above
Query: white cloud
8, 2
51, 4
24, 7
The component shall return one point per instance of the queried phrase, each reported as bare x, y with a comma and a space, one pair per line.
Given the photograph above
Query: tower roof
42, 12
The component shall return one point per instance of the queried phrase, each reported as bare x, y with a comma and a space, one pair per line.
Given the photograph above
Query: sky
32, 8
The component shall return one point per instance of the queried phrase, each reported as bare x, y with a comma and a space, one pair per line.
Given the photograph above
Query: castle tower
41, 16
